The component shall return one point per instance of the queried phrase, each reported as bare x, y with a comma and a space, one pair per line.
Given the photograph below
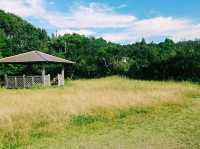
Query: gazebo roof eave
37, 62
34, 57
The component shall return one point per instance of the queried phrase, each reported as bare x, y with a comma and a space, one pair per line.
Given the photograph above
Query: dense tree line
97, 57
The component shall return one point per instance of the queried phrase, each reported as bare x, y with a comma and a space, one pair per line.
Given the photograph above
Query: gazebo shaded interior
30, 58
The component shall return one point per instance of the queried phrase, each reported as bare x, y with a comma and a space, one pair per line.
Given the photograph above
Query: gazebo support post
16, 82
6, 80
43, 75
63, 75
24, 81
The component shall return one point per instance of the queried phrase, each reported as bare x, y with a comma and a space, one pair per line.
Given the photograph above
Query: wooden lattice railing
26, 81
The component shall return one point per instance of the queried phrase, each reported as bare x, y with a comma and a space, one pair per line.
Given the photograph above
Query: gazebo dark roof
34, 57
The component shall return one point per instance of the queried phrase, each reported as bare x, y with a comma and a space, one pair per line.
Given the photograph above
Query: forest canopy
96, 57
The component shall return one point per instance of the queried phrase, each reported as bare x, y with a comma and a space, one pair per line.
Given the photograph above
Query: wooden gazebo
33, 57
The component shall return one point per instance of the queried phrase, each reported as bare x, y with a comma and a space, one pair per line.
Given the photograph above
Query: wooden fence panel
25, 81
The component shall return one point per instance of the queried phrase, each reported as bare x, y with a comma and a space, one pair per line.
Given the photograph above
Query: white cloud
190, 33
100, 20
81, 32
92, 16
175, 28
24, 8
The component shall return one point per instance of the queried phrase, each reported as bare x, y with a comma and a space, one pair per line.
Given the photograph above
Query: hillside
17, 35
111, 112
96, 57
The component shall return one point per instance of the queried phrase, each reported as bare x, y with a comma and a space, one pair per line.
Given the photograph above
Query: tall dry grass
33, 113
85, 95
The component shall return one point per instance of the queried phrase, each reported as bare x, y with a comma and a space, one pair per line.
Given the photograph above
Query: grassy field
107, 113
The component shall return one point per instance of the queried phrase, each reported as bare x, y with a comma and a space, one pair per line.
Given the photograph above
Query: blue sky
120, 21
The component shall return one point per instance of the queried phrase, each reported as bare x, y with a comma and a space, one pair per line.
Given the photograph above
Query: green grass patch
159, 123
